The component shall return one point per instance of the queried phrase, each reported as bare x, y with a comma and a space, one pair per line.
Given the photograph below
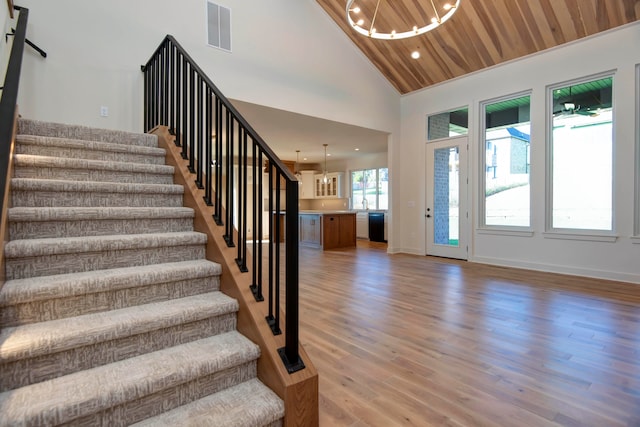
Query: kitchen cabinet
330, 189
310, 233
339, 231
307, 184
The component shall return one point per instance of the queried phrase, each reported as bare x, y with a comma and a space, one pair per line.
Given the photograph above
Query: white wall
286, 54
610, 51
5, 47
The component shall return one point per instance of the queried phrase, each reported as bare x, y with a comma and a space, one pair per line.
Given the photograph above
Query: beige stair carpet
111, 315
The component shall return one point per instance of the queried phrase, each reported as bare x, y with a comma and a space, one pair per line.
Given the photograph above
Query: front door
446, 210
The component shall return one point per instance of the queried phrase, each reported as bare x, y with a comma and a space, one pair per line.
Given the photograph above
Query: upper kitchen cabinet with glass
331, 188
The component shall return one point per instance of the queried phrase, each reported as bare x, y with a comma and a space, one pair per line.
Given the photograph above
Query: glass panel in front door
446, 207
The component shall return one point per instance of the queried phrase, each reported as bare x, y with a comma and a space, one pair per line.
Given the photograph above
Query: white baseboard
561, 269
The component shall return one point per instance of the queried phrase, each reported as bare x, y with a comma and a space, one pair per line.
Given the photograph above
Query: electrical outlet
104, 111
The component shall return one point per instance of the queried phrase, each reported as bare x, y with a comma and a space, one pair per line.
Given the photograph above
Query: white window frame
577, 234
499, 229
636, 228
377, 169
450, 110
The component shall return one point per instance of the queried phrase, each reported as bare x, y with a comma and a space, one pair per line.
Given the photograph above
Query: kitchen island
327, 229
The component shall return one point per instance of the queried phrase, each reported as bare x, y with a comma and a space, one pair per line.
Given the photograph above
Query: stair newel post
289, 353
145, 97
165, 83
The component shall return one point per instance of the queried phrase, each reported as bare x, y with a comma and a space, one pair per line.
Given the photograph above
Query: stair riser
156, 403
73, 174
20, 268
79, 153
29, 371
52, 229
35, 198
52, 309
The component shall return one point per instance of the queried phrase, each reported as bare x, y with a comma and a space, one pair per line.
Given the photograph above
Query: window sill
635, 240
505, 232
609, 238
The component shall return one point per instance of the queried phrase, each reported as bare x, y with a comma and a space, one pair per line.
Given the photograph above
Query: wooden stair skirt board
112, 312
298, 390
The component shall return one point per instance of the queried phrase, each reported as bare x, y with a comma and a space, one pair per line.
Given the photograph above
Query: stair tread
248, 404
19, 214
19, 291
68, 245
53, 336
89, 145
62, 130
31, 184
82, 393
32, 160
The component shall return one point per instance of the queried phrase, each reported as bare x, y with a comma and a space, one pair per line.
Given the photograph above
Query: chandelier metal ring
415, 31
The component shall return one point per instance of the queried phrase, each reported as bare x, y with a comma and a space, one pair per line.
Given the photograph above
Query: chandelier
358, 23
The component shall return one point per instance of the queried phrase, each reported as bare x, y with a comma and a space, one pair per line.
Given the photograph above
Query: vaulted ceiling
481, 33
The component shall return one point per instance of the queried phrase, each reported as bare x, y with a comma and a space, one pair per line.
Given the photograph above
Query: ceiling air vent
219, 26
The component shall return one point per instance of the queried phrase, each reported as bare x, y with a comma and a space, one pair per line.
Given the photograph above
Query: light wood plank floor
402, 340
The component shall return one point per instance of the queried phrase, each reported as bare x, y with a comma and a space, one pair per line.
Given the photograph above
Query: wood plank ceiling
480, 34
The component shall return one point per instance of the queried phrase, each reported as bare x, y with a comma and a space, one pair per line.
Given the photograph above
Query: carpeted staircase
110, 314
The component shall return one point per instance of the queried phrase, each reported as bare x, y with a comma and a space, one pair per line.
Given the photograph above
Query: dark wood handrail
226, 156
9, 99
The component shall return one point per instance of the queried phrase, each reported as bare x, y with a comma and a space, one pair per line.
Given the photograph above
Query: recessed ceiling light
357, 149
415, 54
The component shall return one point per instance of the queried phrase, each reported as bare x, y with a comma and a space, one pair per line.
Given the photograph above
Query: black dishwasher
376, 227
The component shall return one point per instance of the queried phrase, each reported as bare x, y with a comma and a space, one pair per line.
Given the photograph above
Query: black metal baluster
209, 169
185, 109
228, 237
192, 120
217, 216
200, 146
178, 102
256, 194
278, 232
270, 176
172, 90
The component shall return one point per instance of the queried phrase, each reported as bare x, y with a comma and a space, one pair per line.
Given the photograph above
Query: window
506, 161
370, 189
448, 124
581, 150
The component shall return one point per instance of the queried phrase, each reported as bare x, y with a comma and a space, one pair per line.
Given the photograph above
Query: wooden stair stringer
299, 390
